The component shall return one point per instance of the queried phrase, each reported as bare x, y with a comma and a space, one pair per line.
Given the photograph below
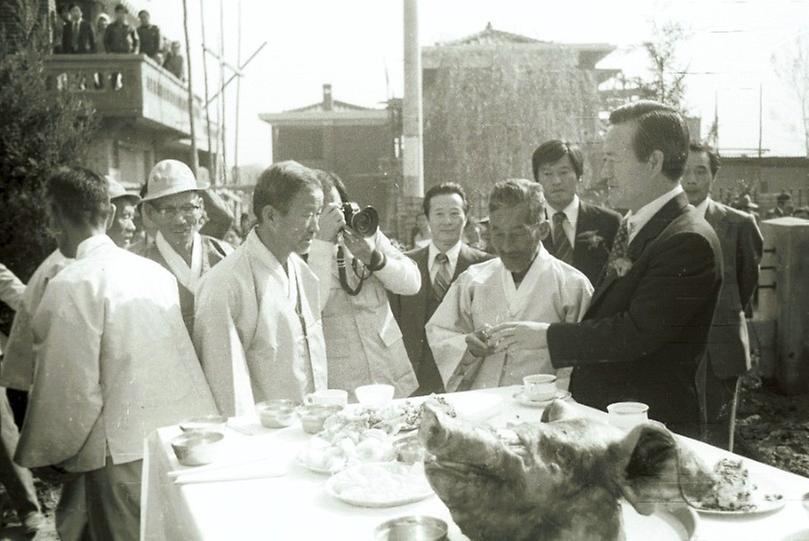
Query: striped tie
620, 246
561, 245
442, 277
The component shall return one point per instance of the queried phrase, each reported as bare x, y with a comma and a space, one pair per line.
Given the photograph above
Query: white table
295, 506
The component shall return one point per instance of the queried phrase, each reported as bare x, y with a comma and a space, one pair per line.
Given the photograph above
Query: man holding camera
357, 266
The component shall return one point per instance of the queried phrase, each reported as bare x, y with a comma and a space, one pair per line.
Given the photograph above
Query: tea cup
627, 415
539, 387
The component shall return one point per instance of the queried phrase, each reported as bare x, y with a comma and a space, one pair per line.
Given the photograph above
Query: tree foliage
792, 66
666, 80
40, 130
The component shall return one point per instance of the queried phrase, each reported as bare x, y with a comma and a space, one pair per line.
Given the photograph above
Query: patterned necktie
442, 277
561, 245
620, 245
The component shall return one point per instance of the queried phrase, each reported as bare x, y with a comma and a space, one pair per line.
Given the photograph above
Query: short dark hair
514, 191
713, 155
141, 12
554, 150
659, 127
445, 188
278, 185
80, 194
329, 180
121, 7
72, 5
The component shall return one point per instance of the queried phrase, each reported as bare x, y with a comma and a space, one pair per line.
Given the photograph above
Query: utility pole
760, 117
237, 177
222, 82
194, 157
211, 154
412, 156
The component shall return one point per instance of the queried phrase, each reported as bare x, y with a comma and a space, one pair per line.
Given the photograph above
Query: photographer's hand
331, 223
358, 245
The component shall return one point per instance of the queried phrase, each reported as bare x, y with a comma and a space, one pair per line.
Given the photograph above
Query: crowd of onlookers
72, 34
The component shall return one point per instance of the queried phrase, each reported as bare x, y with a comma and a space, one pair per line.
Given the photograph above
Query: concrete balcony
131, 88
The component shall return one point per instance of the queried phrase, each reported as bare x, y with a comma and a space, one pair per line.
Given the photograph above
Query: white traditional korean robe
248, 334
551, 291
17, 369
113, 362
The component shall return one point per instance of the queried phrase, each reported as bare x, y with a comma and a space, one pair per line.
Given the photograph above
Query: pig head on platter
561, 479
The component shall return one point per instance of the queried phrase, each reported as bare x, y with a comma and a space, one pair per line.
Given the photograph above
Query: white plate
300, 461
418, 494
520, 397
763, 505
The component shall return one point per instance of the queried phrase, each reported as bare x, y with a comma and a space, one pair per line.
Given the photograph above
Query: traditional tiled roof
490, 36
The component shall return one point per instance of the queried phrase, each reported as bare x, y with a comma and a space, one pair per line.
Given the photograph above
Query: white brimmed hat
115, 190
169, 177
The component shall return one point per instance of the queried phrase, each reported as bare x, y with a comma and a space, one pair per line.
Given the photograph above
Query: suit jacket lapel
657, 224
420, 258
464, 260
583, 223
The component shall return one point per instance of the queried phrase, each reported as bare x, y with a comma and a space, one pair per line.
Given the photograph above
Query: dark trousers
113, 501
18, 481
718, 399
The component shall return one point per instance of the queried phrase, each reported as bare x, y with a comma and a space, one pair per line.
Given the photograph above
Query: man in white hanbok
524, 282
257, 327
113, 361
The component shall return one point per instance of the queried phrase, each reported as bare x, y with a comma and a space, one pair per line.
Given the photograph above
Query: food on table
733, 491
556, 480
381, 484
313, 416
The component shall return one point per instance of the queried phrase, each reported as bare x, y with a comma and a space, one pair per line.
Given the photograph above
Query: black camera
363, 221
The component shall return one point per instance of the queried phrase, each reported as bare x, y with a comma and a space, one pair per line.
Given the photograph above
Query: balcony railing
129, 86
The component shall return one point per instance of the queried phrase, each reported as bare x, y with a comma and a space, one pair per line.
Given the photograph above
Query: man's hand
477, 343
517, 335
358, 245
331, 223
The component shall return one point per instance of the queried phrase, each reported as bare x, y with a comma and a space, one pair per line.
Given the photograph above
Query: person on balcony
102, 22
175, 61
174, 203
120, 37
149, 35
78, 36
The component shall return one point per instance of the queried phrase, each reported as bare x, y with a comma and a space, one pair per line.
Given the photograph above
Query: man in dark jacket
148, 34
581, 233
647, 327
78, 36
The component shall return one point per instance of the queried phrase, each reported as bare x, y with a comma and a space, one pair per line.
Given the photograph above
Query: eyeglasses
171, 212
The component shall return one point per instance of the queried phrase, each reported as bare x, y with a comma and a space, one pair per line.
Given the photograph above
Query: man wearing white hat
173, 202
122, 228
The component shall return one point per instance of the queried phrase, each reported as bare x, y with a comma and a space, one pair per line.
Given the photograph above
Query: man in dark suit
440, 263
647, 326
581, 234
728, 354
78, 36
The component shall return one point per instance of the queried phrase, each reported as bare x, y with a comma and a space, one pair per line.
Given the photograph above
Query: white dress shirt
452, 256
702, 208
572, 213
636, 220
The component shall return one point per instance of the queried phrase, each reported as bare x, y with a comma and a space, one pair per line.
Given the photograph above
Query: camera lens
366, 222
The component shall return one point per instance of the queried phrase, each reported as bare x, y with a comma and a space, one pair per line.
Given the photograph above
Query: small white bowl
197, 447
276, 413
375, 395
627, 415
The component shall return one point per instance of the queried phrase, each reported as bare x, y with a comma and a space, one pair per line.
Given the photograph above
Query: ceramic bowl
208, 422
375, 395
413, 528
314, 415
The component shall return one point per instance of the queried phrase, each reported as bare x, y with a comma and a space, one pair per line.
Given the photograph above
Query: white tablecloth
295, 506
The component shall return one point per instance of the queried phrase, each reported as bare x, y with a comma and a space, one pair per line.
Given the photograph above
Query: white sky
352, 43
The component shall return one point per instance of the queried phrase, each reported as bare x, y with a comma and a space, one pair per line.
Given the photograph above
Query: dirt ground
771, 428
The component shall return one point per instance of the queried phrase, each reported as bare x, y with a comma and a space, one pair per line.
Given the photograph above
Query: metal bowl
197, 448
414, 528
276, 413
313, 416
207, 422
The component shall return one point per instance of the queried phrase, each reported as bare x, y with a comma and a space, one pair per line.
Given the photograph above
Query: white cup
375, 395
627, 415
327, 397
539, 387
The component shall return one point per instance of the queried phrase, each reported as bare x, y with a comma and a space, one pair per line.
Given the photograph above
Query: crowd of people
72, 34
114, 338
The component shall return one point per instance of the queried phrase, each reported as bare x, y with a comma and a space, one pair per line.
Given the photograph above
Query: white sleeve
400, 275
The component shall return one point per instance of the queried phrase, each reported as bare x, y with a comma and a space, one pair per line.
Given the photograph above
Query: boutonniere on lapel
591, 239
621, 266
